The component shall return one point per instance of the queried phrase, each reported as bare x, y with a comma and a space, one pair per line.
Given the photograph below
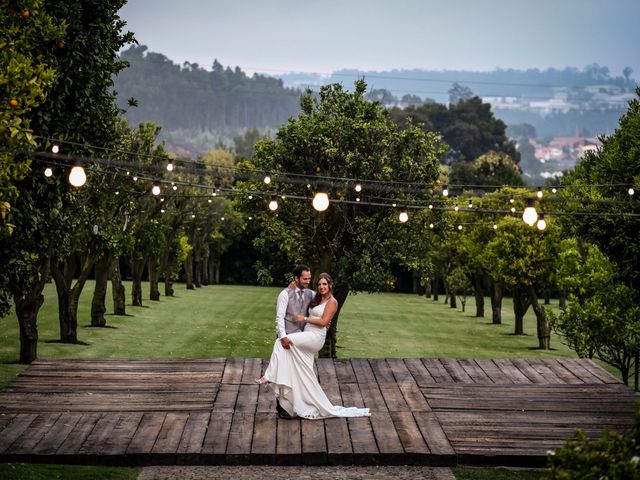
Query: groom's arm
281, 309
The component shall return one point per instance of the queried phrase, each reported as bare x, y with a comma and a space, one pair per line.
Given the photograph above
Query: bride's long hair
317, 300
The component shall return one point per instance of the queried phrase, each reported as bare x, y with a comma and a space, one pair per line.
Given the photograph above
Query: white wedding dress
291, 375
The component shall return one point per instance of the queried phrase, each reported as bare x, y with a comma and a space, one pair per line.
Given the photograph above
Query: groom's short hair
297, 272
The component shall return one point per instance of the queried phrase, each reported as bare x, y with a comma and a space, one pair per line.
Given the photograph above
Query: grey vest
296, 307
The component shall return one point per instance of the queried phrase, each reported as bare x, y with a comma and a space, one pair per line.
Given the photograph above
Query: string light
267, 179
554, 190
358, 188
403, 217
631, 191
495, 227
273, 205
77, 176
320, 201
445, 191
459, 227
530, 215
170, 166
155, 189
511, 200
431, 225
513, 209
470, 204
456, 207
135, 178
55, 148
48, 172
541, 222
539, 192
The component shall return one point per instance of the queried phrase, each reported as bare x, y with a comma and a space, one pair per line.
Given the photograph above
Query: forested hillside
192, 100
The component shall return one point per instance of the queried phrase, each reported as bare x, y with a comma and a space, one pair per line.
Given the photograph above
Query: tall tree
340, 134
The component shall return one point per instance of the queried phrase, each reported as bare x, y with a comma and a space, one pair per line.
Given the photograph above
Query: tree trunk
562, 301
452, 297
479, 294
154, 274
427, 287
542, 323
436, 287
168, 283
98, 307
206, 276
197, 278
496, 303
330, 343
27, 312
547, 296
188, 271
117, 288
463, 302
137, 270
520, 306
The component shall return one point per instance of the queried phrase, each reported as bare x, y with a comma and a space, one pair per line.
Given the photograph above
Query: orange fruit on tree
25, 13
13, 102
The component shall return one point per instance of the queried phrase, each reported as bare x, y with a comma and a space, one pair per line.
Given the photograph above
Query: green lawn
238, 321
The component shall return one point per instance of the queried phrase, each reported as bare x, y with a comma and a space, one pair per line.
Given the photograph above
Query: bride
290, 371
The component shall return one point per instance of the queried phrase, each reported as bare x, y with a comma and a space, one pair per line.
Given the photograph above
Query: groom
292, 301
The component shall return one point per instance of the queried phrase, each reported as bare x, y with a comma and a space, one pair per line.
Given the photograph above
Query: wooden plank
436, 370
263, 446
52, 440
170, 434
387, 438
314, 442
529, 371
548, 374
215, 441
372, 397
145, 436
362, 370
226, 398
344, 371
409, 433
194, 432
579, 369
458, 374
493, 371
338, 441
419, 372
99, 435
597, 371
393, 398
562, 372
247, 400
79, 434
326, 371
240, 436
288, 442
252, 370
434, 434
414, 397
30, 437
400, 371
511, 371
363, 441
118, 441
233, 371
477, 374
381, 370
266, 399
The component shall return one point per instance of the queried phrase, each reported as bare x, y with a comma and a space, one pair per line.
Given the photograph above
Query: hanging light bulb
495, 227
403, 217
541, 222
511, 200
77, 176
55, 148
273, 205
48, 172
554, 190
135, 178
358, 187
631, 191
539, 192
445, 191
470, 204
530, 215
431, 225
459, 227
513, 209
430, 207
456, 208
267, 179
170, 166
155, 189
321, 201
175, 187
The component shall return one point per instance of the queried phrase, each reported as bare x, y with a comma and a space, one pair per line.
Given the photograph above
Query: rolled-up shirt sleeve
281, 310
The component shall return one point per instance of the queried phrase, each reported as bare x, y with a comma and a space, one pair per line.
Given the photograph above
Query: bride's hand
298, 318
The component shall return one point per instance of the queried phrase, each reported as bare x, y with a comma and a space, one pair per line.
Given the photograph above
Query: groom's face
303, 280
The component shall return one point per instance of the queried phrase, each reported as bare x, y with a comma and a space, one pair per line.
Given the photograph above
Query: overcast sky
326, 35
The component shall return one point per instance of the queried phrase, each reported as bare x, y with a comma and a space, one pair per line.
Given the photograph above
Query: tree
340, 135
459, 93
491, 168
27, 73
459, 284
523, 257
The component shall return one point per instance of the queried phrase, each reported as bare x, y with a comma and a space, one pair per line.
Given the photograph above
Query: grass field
238, 321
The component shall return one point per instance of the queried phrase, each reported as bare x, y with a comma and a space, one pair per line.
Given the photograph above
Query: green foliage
341, 134
21, 471
491, 168
29, 35
612, 456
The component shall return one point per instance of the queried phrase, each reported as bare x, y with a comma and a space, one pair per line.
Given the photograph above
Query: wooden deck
425, 411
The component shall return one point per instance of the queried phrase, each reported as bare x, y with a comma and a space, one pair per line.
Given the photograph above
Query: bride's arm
327, 315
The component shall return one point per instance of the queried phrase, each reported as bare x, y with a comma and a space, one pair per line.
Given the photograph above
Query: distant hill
198, 108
